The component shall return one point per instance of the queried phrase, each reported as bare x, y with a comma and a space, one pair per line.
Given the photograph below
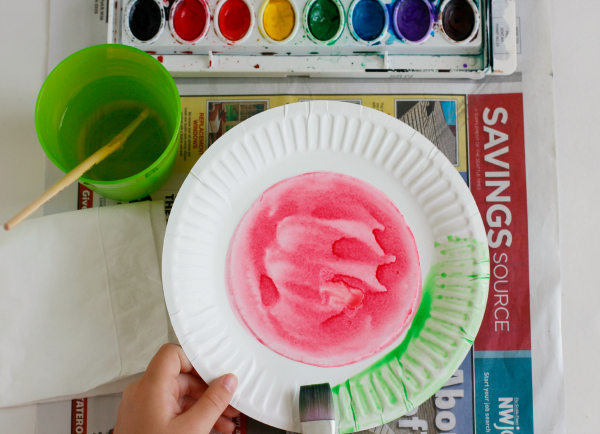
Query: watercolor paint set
337, 38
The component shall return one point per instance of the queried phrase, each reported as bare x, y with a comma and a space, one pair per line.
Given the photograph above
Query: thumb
202, 416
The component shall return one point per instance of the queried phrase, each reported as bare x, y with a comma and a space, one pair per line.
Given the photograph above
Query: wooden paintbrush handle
78, 171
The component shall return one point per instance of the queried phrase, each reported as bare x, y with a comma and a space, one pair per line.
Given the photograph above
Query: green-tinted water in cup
90, 97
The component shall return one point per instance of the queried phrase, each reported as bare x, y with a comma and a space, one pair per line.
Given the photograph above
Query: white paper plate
366, 144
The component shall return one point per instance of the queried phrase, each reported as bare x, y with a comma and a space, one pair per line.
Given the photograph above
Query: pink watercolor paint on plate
323, 269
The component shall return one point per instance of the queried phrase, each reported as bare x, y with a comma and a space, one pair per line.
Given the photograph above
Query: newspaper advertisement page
482, 135
503, 369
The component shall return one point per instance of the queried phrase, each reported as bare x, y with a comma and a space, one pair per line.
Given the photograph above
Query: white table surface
23, 56
576, 86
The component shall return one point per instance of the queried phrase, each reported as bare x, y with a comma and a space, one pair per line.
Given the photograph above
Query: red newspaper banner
85, 197
79, 416
240, 424
497, 181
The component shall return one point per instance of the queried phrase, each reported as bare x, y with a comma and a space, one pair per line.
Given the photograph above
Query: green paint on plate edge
442, 332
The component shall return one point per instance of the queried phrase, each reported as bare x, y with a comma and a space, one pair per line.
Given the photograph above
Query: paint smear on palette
145, 19
189, 19
234, 19
458, 20
323, 19
279, 19
323, 269
368, 19
413, 19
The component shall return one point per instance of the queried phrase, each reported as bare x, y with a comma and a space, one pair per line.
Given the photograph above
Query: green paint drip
323, 19
441, 334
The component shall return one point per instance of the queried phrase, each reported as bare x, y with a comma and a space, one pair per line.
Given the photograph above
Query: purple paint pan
413, 20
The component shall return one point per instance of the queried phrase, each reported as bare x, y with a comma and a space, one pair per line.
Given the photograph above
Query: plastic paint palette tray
229, 37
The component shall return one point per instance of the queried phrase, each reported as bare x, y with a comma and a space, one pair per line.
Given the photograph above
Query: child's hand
171, 398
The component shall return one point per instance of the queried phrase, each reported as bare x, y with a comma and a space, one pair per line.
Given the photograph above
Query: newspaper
499, 134
482, 135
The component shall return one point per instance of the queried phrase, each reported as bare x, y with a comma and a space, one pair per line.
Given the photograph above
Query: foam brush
317, 414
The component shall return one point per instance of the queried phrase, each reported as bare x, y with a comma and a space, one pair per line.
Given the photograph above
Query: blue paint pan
368, 21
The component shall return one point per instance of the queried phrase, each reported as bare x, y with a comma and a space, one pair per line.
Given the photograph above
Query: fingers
168, 363
185, 403
231, 412
192, 385
210, 406
224, 425
202, 407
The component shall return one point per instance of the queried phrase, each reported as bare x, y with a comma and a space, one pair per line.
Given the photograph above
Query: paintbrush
98, 156
317, 414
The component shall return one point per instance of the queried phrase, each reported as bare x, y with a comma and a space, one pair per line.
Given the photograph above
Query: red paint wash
234, 19
324, 270
189, 20
160, 59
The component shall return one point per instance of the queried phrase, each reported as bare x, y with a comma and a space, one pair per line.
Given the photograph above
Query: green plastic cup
93, 95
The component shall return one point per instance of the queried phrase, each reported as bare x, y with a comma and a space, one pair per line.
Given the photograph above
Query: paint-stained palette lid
326, 136
326, 37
